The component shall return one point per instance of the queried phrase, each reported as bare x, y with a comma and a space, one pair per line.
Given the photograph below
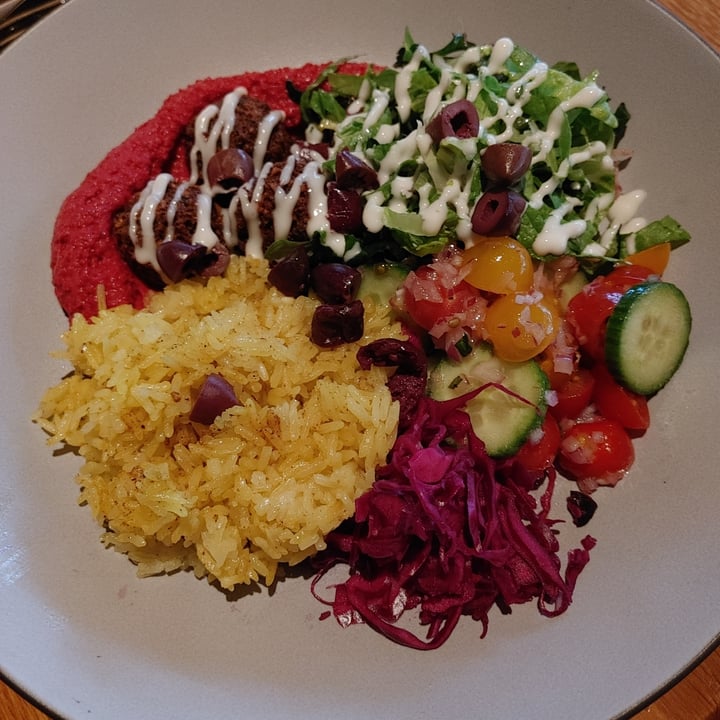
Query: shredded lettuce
666, 229
573, 142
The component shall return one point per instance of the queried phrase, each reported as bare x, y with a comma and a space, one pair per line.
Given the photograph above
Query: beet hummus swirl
87, 258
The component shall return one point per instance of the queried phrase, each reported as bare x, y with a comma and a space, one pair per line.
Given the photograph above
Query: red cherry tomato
589, 310
537, 454
574, 394
615, 402
628, 275
599, 450
587, 315
428, 300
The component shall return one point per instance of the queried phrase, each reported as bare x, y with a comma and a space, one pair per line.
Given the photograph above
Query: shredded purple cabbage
447, 531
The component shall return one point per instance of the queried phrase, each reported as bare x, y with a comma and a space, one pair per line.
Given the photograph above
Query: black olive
229, 169
344, 209
334, 325
352, 173
506, 163
178, 259
216, 261
216, 395
581, 507
335, 283
291, 274
498, 213
458, 119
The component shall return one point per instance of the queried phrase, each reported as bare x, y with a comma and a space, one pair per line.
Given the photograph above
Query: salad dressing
143, 213
380, 102
555, 234
212, 136
402, 83
458, 82
545, 139
357, 105
622, 218
172, 208
267, 125
249, 200
204, 234
501, 52
426, 189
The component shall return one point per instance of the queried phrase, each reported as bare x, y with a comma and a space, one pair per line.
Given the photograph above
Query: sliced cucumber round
647, 335
381, 282
503, 414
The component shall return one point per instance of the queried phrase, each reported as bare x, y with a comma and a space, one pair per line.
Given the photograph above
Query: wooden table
697, 696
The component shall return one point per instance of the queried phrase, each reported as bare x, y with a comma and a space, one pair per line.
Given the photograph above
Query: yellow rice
271, 477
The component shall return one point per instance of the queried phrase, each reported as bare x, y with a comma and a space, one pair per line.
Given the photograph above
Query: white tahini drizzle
450, 189
453, 190
143, 213
267, 125
555, 234
212, 131
213, 128
622, 218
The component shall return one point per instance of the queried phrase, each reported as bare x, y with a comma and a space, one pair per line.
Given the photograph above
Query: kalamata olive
344, 208
458, 119
216, 261
229, 169
334, 325
506, 163
581, 507
321, 148
291, 274
498, 213
352, 173
178, 259
216, 395
335, 283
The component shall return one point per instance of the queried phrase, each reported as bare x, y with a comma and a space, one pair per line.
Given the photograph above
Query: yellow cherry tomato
499, 265
520, 326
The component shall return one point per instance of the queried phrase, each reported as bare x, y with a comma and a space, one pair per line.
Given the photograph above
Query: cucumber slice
380, 282
570, 288
647, 335
501, 420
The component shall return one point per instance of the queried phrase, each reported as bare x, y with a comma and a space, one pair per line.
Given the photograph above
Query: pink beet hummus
84, 252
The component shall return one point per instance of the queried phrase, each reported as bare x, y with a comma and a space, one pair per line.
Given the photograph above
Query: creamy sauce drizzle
213, 129
450, 190
267, 125
455, 84
142, 214
555, 234
622, 218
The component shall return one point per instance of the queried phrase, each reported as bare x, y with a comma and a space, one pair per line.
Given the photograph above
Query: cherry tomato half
499, 265
520, 326
599, 450
589, 310
615, 402
587, 315
428, 300
574, 394
538, 453
625, 276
